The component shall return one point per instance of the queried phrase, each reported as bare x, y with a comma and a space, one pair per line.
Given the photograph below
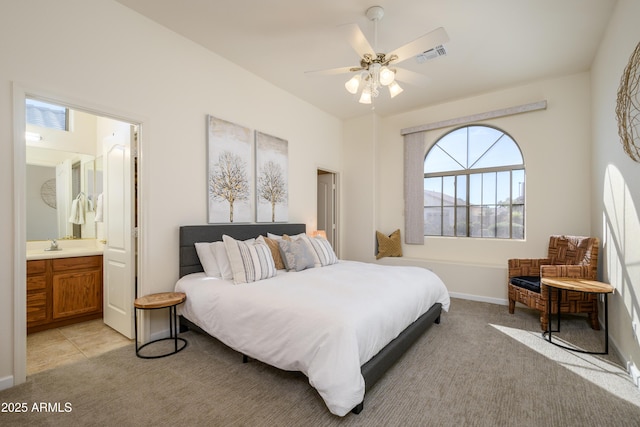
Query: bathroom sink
47, 253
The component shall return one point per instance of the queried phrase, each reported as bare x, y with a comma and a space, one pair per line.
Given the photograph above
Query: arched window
474, 184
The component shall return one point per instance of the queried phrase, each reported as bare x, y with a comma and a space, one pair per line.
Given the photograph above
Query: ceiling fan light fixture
353, 84
395, 89
387, 76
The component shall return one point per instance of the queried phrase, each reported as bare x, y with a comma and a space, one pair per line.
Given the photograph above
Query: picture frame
229, 172
272, 178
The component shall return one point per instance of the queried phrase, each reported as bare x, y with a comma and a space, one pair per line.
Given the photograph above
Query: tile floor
67, 344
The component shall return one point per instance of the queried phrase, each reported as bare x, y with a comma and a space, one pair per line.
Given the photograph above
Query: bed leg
437, 321
245, 358
358, 408
183, 327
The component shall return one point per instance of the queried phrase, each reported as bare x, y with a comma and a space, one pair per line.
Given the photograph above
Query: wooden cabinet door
76, 293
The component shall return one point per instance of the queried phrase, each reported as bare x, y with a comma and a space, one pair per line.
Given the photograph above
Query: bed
337, 351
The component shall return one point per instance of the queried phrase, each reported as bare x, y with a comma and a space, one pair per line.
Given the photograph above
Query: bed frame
373, 370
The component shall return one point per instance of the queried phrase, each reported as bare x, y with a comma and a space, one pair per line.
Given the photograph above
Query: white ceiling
493, 43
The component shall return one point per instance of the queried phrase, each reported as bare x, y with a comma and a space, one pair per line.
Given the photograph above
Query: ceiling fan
378, 69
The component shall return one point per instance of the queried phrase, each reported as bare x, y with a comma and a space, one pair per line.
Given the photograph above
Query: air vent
431, 54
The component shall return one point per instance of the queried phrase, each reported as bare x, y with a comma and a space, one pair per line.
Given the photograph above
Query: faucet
54, 246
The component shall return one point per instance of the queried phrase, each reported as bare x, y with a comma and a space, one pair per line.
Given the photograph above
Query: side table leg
606, 324
135, 327
172, 331
549, 313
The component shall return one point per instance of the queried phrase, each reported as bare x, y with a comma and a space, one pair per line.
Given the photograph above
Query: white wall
616, 182
108, 58
556, 147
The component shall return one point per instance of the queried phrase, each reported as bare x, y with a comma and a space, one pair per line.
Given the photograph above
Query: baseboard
498, 301
6, 382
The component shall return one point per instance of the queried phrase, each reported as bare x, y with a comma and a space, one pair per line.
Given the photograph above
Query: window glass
456, 146
44, 114
441, 161
449, 191
433, 191
474, 185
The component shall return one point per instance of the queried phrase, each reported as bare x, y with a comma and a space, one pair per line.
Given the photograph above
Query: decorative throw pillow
208, 259
389, 245
275, 251
296, 254
224, 265
250, 262
323, 250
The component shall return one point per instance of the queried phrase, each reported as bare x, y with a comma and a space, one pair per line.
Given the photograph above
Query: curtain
414, 152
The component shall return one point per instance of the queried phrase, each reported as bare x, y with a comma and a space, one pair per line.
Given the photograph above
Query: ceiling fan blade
411, 77
421, 44
356, 39
333, 71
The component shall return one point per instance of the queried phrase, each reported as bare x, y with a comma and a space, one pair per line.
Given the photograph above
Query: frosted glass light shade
386, 76
394, 89
353, 84
365, 98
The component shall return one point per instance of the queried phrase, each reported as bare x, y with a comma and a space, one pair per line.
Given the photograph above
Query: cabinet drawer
36, 266
35, 283
77, 263
36, 307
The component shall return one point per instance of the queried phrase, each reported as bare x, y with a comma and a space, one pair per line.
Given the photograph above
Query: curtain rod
525, 108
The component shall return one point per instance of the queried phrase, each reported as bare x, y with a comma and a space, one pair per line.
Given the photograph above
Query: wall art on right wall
628, 106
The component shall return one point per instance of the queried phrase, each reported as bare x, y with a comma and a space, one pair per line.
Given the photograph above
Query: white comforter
325, 322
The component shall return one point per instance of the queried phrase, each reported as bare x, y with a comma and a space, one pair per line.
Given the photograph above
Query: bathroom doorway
327, 206
92, 166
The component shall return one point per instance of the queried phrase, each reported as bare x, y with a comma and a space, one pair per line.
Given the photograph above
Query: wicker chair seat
531, 283
568, 256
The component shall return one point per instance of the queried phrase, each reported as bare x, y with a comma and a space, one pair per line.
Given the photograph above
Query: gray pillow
296, 254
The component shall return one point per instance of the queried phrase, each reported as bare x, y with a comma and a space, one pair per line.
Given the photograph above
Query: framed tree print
230, 172
272, 178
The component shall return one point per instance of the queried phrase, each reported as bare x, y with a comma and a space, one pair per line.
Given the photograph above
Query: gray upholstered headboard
190, 234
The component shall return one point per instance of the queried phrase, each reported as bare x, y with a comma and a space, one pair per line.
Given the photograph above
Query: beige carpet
479, 367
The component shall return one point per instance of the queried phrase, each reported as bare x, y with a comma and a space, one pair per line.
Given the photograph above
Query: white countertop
68, 249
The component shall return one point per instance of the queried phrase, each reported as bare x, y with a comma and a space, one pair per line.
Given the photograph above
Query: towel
99, 208
77, 210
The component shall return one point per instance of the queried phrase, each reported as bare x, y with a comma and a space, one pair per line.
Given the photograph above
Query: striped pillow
250, 262
323, 250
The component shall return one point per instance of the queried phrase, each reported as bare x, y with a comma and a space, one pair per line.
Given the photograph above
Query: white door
326, 206
119, 250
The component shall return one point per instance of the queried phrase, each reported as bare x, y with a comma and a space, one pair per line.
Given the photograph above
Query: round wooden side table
579, 285
157, 301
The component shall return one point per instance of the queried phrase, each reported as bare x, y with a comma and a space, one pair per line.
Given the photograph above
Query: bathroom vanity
63, 288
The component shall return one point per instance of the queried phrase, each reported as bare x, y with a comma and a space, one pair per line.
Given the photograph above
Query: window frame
468, 206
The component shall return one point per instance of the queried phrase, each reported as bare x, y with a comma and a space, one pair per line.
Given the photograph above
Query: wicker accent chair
569, 256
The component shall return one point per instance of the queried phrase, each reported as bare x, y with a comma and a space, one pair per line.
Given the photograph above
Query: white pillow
250, 261
323, 250
208, 259
224, 265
